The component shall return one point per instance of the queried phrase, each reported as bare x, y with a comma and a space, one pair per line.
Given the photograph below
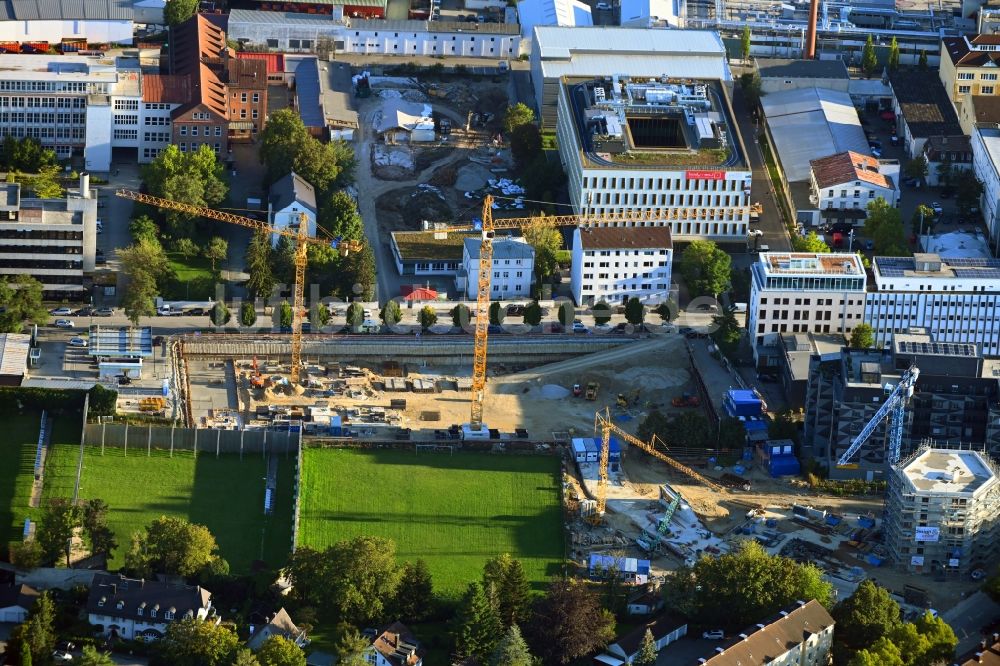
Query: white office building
613, 264
513, 268
665, 147
802, 292
849, 181
986, 166
94, 21
952, 299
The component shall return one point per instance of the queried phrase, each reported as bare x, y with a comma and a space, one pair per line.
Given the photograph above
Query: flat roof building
778, 74
985, 140
943, 512
14, 349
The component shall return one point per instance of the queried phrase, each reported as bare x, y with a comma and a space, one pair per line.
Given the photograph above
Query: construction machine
302, 241
593, 388
606, 427
686, 400
256, 379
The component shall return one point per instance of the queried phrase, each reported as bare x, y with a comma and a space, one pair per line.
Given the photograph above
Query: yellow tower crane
628, 218
302, 242
603, 423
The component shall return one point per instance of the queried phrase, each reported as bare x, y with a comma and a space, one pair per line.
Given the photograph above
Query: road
968, 617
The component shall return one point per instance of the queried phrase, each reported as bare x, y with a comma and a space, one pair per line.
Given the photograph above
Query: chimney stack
84, 185
809, 52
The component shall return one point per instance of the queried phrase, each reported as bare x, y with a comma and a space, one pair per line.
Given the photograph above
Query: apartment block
943, 512
953, 299
955, 401
615, 264
802, 292
968, 65
849, 181
52, 240
667, 147
513, 268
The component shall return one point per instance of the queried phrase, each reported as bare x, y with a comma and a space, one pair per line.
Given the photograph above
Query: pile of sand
554, 392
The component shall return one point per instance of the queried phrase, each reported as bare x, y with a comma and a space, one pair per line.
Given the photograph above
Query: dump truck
592, 389
686, 400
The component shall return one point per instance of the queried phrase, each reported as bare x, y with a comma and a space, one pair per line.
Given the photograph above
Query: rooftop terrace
948, 471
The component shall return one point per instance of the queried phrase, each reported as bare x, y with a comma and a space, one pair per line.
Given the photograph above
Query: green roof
431, 245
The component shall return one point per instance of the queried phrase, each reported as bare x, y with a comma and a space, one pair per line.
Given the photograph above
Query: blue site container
783, 466
336, 426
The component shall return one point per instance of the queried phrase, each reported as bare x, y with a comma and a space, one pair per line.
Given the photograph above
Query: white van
369, 326
739, 307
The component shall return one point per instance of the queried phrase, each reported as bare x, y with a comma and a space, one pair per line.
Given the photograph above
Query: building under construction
943, 512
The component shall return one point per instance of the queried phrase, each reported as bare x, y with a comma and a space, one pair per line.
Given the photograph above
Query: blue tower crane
896, 405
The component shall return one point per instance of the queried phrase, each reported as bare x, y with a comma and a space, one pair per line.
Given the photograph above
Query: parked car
64, 323
876, 152
124, 380
84, 312
894, 140
104, 312
77, 342
603, 328
714, 635
579, 327
936, 207
62, 657
869, 245
61, 311
603, 6
515, 310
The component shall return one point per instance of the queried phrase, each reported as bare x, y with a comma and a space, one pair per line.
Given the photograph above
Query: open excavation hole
660, 132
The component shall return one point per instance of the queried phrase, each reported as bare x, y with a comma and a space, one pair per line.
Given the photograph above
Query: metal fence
142, 439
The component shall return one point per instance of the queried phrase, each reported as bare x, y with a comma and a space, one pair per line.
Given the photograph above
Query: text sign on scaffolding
926, 534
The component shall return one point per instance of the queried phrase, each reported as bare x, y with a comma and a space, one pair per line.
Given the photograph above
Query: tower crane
894, 405
488, 227
604, 424
302, 242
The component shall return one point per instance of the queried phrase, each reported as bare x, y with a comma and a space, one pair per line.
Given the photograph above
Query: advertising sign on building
705, 175
917, 560
926, 534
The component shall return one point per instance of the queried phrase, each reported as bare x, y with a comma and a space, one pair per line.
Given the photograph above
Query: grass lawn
454, 511
224, 494
193, 278
17, 465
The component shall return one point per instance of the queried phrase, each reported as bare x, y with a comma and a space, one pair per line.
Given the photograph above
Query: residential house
395, 646
665, 629
802, 636
969, 65
513, 268
143, 609
987, 653
844, 184
614, 264
16, 601
976, 110
948, 157
646, 600
429, 252
923, 109
290, 198
279, 625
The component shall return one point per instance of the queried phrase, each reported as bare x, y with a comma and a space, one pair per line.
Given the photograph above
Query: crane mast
894, 407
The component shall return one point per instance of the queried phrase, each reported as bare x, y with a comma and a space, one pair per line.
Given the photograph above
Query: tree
732, 434
601, 312
355, 315
809, 243
93, 657
533, 314
248, 314
647, 650
566, 313
286, 146
967, 193
944, 170
415, 594
916, 168
705, 268
745, 44
216, 250
37, 636
923, 218
258, 263
922, 61
320, 315
525, 144
94, 520
358, 274
739, 587
505, 583
869, 61
869, 613
171, 546
194, 642
517, 115
427, 317
751, 85
144, 264
477, 625
691, 428
863, 336
178, 11
279, 651
497, 313
44, 184
244, 657
727, 333
103, 402
882, 652
194, 177
460, 315
893, 54
512, 650
941, 640
219, 315
285, 314
569, 623
26, 554
391, 313
635, 311
56, 528
25, 155
355, 579
350, 647
338, 214
25, 659
144, 227
22, 296
547, 241
885, 227
783, 426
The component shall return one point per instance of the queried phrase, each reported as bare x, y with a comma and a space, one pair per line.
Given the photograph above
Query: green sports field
17, 464
224, 494
454, 511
